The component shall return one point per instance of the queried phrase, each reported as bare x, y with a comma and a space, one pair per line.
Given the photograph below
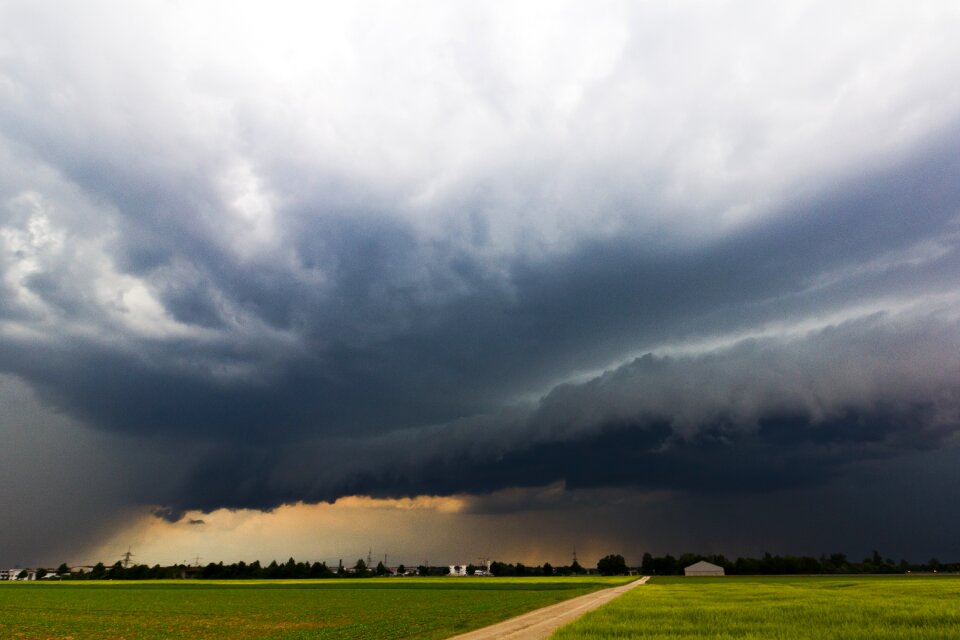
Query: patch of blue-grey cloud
411, 332
491, 271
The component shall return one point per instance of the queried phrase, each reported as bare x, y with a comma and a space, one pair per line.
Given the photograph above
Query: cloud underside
472, 288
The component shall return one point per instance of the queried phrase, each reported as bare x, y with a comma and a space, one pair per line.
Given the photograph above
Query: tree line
291, 569
835, 563
613, 564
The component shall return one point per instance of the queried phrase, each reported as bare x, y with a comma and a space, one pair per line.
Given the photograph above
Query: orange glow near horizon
438, 529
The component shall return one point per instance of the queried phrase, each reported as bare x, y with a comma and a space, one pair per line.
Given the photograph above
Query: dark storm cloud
762, 416
299, 290
408, 332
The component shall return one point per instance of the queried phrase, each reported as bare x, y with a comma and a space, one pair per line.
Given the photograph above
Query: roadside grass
415, 608
784, 608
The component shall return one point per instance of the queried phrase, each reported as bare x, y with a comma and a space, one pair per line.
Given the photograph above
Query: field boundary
540, 623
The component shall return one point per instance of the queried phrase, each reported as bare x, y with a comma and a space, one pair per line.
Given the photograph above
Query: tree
63, 569
401, 570
547, 569
612, 565
98, 570
576, 568
647, 567
382, 569
273, 570
360, 569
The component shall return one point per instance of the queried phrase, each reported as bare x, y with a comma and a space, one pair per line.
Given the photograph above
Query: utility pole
126, 558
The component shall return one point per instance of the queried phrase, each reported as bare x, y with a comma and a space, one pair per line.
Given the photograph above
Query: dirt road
542, 622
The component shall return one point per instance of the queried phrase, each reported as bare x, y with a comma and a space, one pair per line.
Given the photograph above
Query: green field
419, 608
787, 608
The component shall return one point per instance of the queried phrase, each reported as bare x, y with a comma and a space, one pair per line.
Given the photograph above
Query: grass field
785, 608
421, 608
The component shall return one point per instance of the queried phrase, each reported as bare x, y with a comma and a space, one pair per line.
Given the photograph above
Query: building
458, 569
703, 568
407, 571
13, 574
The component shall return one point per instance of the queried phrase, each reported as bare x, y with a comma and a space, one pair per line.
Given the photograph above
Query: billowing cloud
300, 254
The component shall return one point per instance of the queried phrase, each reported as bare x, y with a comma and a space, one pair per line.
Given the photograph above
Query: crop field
421, 608
785, 608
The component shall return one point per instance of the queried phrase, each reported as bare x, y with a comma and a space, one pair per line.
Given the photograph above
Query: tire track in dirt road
539, 624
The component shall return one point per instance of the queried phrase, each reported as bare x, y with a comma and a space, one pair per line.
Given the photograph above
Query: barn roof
703, 565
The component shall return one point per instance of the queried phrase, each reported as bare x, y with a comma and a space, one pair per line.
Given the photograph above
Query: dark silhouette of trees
360, 569
768, 564
612, 565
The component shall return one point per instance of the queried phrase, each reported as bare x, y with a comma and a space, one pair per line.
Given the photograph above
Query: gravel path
539, 624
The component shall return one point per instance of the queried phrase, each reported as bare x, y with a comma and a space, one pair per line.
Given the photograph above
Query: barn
703, 568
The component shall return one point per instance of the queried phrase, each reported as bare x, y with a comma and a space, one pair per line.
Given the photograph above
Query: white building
12, 574
481, 570
703, 568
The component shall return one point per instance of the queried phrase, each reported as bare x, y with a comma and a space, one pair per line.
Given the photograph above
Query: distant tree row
290, 569
613, 564
546, 569
786, 565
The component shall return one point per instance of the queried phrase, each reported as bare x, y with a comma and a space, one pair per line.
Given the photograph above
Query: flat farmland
786, 608
421, 608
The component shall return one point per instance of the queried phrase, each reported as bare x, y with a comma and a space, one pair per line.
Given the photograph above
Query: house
13, 574
703, 568
407, 571
458, 569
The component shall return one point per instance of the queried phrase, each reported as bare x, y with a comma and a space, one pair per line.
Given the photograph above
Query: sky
444, 280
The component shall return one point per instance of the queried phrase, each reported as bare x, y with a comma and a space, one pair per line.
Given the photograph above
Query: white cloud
565, 118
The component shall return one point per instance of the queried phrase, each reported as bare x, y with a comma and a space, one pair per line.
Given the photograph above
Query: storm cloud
451, 250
